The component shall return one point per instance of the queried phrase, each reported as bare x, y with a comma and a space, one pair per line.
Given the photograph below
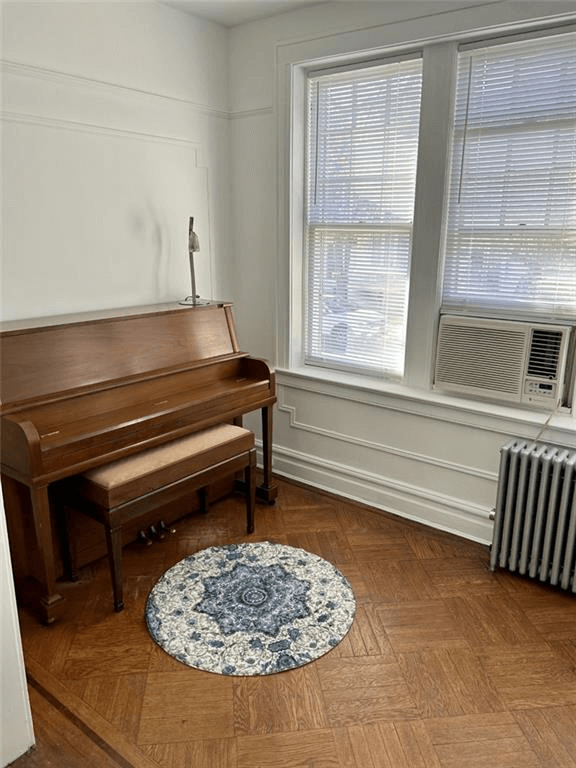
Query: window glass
511, 226
360, 175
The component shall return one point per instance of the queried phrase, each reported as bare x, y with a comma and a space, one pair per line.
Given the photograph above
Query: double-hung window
507, 216
360, 175
511, 224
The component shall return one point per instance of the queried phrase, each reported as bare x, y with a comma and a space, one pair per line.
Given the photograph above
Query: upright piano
83, 390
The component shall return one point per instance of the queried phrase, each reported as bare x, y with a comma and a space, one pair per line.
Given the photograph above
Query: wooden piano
83, 390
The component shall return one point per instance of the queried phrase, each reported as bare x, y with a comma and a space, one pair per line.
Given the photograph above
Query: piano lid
80, 352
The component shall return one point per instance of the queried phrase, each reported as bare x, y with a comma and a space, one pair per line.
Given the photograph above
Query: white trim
405, 500
410, 500
378, 39
509, 421
17, 69
242, 114
383, 448
58, 77
379, 61
73, 125
511, 37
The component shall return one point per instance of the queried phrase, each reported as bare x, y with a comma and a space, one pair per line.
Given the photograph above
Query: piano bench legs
114, 548
137, 486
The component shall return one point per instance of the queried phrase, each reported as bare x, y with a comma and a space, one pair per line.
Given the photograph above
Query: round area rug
250, 609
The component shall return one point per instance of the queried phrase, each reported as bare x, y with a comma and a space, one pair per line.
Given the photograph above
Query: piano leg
35, 575
28, 515
49, 603
267, 491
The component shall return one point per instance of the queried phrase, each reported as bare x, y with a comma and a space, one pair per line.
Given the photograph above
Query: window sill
385, 393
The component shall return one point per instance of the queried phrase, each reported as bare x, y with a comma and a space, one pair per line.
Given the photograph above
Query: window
362, 142
511, 225
438, 181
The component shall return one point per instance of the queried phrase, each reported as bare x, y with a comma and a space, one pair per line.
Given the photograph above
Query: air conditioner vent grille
544, 353
482, 357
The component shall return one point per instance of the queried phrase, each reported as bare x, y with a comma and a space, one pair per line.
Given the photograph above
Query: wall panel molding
72, 125
492, 418
453, 488
65, 80
419, 458
243, 114
112, 173
59, 101
59, 78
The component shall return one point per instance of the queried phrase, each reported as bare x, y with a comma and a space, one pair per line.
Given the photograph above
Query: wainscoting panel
412, 502
99, 183
420, 460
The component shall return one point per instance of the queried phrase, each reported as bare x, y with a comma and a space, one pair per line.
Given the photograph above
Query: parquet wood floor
447, 665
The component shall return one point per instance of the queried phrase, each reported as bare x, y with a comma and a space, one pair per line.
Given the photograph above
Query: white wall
114, 132
122, 119
405, 449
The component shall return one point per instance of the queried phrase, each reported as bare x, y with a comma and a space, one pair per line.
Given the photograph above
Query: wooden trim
109, 738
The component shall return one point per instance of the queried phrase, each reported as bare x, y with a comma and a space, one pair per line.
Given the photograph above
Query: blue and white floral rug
250, 609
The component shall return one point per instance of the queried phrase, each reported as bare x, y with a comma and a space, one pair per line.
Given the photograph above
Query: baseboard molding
407, 501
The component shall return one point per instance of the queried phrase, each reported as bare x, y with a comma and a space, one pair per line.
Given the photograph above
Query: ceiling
233, 12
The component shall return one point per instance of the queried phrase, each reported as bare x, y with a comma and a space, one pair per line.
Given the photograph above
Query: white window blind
362, 140
511, 226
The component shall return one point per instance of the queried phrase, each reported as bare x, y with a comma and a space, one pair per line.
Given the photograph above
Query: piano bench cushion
134, 476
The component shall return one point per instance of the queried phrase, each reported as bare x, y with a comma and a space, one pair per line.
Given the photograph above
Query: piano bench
123, 491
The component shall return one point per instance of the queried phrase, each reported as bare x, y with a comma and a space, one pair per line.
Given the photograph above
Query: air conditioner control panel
537, 391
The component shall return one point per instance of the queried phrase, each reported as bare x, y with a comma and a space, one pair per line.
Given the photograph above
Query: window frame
367, 228
503, 309
424, 303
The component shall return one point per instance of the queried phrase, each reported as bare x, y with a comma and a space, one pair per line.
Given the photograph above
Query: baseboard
407, 501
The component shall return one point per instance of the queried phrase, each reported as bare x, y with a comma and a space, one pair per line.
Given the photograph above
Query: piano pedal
143, 537
165, 528
156, 533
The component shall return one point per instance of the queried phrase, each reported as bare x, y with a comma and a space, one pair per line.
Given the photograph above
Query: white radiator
535, 519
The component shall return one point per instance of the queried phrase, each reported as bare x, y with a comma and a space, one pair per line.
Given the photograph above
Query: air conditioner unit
502, 360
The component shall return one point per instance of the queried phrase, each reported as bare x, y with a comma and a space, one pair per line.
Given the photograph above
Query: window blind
362, 140
511, 225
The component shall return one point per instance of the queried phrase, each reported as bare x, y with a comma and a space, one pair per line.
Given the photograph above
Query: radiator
535, 516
